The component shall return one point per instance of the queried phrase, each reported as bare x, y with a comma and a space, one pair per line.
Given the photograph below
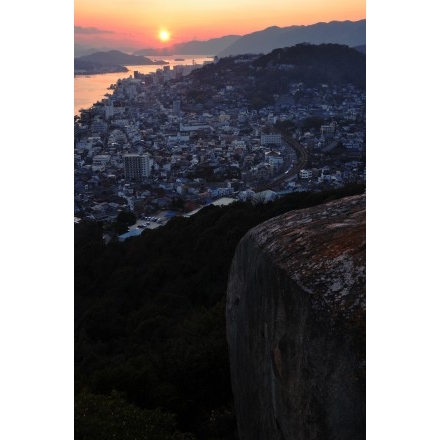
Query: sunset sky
158, 23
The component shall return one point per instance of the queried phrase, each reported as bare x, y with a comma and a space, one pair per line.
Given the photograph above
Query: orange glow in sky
143, 23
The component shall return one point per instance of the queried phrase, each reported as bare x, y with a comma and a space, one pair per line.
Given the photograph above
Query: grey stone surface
296, 325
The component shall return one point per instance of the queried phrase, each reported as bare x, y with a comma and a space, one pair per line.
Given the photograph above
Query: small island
110, 62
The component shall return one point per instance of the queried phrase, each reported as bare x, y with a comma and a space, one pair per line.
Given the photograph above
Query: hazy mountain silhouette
81, 50
350, 33
116, 57
209, 47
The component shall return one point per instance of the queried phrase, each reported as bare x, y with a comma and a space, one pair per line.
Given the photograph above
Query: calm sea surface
92, 88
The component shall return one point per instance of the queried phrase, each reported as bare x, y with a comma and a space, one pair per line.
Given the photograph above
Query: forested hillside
307, 63
150, 338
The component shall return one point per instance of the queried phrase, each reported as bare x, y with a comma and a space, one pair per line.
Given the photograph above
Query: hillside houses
221, 148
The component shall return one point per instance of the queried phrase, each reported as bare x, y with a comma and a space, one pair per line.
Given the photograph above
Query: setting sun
164, 35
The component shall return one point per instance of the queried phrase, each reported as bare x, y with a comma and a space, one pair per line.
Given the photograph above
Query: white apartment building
137, 166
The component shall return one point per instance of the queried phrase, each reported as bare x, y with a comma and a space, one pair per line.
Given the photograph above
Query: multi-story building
137, 166
100, 161
274, 158
328, 129
305, 174
176, 107
267, 139
109, 110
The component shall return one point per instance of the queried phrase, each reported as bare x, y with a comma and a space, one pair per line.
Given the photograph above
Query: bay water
93, 88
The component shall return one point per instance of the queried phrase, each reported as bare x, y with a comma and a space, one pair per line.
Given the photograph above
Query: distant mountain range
194, 47
350, 33
209, 47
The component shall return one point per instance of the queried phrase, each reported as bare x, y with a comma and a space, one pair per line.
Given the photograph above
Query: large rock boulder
296, 325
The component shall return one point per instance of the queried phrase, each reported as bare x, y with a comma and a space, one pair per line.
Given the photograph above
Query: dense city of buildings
158, 142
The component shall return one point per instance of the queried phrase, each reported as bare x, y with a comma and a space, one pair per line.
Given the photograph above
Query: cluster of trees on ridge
151, 356
261, 78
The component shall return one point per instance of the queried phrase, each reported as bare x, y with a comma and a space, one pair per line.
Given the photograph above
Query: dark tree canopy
150, 322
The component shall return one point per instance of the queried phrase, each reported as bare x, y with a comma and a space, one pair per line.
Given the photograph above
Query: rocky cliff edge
296, 325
